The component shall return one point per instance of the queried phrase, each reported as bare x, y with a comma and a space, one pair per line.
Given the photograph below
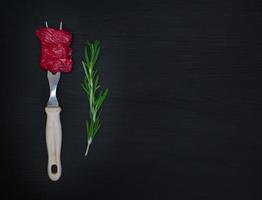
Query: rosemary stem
92, 93
90, 86
88, 145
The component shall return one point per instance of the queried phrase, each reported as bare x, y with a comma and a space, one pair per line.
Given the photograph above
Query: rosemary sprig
96, 95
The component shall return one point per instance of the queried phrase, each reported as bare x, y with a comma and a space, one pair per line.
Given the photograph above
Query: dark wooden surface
183, 115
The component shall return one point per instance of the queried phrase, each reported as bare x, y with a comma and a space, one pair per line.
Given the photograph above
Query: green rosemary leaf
101, 98
96, 81
85, 89
96, 128
96, 54
94, 74
97, 87
86, 56
84, 66
92, 52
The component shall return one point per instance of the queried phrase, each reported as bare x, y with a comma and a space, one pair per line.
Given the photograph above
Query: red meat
56, 54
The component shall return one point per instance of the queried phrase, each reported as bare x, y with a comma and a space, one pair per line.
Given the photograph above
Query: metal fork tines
53, 80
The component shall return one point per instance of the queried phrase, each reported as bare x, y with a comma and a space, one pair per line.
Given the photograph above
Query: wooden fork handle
53, 142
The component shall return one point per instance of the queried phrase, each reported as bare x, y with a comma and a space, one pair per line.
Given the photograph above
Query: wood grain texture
183, 115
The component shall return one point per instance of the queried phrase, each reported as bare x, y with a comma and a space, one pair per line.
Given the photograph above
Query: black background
183, 115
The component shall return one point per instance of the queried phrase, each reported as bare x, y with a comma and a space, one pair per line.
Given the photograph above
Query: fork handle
53, 142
